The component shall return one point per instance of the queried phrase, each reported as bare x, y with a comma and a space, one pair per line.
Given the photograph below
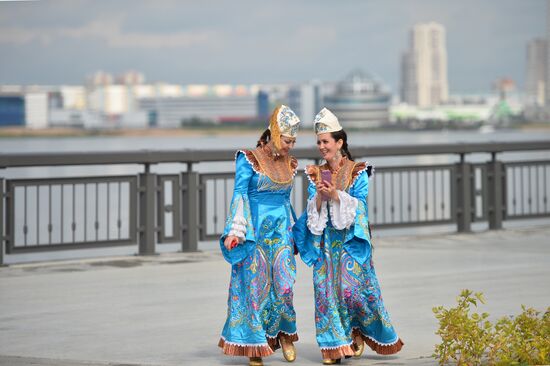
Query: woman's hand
320, 188
328, 189
229, 242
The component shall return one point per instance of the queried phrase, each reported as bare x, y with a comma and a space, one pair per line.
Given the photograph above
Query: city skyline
60, 42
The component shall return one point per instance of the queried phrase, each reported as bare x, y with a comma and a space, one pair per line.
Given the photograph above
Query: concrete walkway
169, 309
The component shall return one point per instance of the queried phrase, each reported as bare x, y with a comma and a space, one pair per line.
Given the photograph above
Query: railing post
495, 176
190, 210
146, 211
464, 207
2, 231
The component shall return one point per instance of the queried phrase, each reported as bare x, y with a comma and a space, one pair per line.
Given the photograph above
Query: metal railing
150, 208
411, 195
47, 214
526, 184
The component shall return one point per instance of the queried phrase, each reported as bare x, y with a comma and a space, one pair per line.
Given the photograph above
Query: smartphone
326, 176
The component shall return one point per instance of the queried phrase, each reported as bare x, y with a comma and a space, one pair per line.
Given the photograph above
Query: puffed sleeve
316, 220
357, 242
342, 213
239, 221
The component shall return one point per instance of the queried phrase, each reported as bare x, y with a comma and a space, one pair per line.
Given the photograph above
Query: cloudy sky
255, 41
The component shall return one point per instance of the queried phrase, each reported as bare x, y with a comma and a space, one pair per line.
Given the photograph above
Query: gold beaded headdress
283, 122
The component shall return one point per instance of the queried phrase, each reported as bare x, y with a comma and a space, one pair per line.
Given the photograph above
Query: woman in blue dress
333, 236
258, 243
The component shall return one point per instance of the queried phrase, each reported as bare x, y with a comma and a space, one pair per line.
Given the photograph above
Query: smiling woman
257, 242
333, 236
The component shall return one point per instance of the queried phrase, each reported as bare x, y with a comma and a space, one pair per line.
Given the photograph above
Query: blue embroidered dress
336, 242
263, 271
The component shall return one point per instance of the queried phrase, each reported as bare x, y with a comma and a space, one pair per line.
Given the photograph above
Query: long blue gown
348, 301
263, 271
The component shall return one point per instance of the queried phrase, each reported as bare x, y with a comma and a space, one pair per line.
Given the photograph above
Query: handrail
12, 160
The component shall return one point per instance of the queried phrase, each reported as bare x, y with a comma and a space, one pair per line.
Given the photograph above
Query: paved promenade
169, 309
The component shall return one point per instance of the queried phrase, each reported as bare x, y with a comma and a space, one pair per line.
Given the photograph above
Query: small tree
469, 338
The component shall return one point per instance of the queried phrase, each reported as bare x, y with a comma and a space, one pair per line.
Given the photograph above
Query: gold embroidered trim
341, 177
281, 171
357, 170
337, 352
233, 349
345, 176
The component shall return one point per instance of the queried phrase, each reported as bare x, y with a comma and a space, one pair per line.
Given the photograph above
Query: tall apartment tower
547, 61
424, 66
537, 61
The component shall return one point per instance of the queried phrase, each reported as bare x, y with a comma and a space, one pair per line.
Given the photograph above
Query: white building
172, 112
168, 90
424, 66
118, 99
306, 101
73, 97
464, 114
36, 110
74, 118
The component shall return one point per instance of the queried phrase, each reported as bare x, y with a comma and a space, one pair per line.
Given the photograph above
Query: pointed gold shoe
359, 347
289, 351
256, 361
330, 361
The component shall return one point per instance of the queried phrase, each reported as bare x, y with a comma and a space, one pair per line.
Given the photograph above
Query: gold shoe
256, 361
289, 351
360, 347
330, 361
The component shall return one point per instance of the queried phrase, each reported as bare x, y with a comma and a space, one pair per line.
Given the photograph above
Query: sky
253, 41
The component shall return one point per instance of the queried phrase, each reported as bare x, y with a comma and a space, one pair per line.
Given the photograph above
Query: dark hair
341, 135
264, 138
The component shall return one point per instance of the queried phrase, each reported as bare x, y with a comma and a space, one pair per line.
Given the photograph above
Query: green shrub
469, 338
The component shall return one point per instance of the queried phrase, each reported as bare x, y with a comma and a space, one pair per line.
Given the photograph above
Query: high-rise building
535, 85
547, 77
424, 66
537, 81
305, 100
408, 93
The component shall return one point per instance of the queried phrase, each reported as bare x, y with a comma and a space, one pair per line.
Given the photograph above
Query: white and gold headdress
326, 121
283, 122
